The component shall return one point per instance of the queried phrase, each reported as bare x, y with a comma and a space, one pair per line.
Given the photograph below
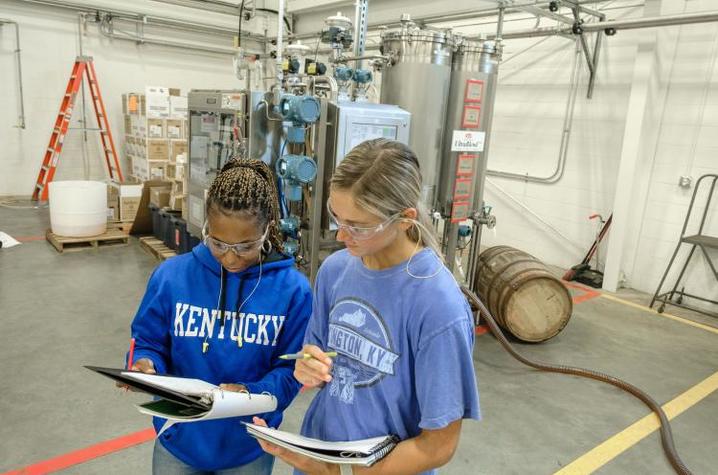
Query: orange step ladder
83, 66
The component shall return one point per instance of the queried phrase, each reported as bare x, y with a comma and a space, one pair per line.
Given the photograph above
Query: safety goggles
359, 233
241, 249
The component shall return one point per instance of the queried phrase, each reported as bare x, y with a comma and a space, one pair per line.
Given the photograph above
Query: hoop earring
267, 247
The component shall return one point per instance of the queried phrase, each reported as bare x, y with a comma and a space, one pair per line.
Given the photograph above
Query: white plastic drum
78, 208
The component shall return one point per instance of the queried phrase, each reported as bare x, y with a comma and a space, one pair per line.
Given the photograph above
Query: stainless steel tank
417, 80
470, 110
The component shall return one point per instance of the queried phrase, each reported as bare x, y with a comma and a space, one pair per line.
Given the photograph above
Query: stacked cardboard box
176, 173
155, 130
123, 201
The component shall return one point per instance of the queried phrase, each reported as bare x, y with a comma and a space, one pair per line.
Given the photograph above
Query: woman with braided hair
224, 313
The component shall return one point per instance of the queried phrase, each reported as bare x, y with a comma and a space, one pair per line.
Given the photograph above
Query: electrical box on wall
359, 122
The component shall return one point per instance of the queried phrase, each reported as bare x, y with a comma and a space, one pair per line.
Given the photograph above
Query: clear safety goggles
241, 249
359, 233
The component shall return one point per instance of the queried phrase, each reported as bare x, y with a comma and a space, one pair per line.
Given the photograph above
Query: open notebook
358, 452
187, 399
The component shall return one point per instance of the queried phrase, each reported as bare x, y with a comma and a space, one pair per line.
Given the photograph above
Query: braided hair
247, 187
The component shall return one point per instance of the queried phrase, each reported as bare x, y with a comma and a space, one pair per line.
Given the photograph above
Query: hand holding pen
313, 370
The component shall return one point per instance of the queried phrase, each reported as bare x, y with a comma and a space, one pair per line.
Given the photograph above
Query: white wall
49, 42
687, 145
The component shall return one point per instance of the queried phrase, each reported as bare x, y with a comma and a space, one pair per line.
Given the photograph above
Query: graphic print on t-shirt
365, 353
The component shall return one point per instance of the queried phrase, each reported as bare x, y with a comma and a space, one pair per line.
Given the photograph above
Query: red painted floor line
62, 462
588, 293
30, 238
481, 329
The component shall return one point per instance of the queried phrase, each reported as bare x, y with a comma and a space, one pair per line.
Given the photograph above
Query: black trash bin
184, 241
167, 229
156, 221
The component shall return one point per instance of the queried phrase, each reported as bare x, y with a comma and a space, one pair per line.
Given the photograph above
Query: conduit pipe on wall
565, 134
615, 25
464, 15
146, 19
18, 59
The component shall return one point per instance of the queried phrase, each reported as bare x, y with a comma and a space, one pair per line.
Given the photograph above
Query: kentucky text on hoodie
192, 321
181, 309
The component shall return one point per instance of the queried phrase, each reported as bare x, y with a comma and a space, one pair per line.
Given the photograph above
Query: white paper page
232, 404
150, 412
224, 404
7, 240
363, 446
365, 460
188, 386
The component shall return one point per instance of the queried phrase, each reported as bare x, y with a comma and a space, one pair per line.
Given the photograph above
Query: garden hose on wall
666, 434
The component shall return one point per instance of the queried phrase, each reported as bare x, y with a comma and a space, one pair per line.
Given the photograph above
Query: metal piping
584, 44
630, 24
279, 63
565, 136
540, 12
21, 117
457, 16
329, 81
360, 31
172, 44
206, 5
343, 59
146, 19
596, 51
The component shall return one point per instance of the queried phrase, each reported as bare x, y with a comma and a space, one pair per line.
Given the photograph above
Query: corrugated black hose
666, 434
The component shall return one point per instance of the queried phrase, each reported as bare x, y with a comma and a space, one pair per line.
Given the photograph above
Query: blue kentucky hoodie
179, 313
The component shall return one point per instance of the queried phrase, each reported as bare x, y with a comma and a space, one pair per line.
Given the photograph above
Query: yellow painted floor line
664, 314
613, 447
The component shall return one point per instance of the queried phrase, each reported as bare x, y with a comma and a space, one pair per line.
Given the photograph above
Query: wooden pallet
156, 247
113, 237
124, 226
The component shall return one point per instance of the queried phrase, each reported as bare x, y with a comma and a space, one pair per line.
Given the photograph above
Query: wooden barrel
521, 294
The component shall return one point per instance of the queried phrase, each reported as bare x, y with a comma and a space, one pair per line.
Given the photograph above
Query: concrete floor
61, 311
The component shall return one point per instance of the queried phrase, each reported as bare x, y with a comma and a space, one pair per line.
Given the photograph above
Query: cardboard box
140, 147
174, 129
144, 169
128, 124
177, 202
128, 196
158, 103
177, 147
175, 171
157, 170
139, 125
178, 107
113, 213
160, 196
143, 221
140, 168
158, 150
156, 128
178, 187
132, 103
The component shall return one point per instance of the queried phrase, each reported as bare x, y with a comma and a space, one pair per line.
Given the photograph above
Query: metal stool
700, 240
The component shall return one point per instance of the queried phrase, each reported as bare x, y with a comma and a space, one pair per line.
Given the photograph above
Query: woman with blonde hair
396, 317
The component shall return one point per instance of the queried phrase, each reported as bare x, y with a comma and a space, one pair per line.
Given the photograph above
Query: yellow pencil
305, 356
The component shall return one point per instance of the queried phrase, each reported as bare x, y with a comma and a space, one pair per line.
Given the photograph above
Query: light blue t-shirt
404, 349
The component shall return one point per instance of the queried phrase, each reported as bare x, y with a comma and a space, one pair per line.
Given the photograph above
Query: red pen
132, 351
